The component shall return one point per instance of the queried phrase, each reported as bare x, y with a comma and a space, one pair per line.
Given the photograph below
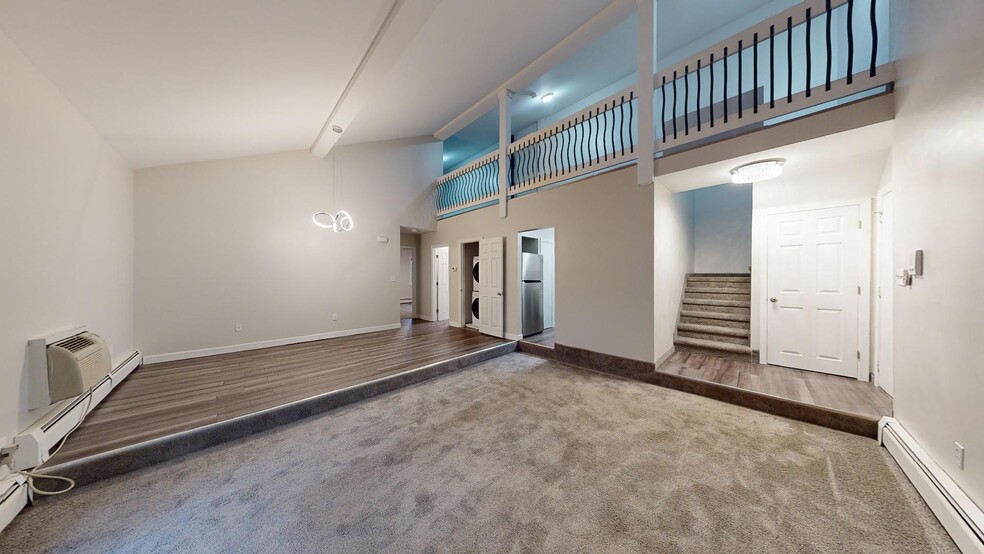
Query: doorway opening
537, 286
408, 268
442, 282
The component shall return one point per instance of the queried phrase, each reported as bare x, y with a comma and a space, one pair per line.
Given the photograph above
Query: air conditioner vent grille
75, 344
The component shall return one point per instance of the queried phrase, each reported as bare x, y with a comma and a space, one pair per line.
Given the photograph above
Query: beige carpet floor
517, 454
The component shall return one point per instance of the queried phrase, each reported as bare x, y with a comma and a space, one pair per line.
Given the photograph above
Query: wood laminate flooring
165, 398
819, 389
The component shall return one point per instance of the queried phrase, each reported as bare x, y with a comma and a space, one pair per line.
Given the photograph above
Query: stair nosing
716, 315
713, 345
715, 330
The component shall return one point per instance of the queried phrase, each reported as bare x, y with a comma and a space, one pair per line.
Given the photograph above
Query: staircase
715, 317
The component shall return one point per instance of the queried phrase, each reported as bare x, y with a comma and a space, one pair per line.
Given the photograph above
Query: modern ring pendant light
341, 221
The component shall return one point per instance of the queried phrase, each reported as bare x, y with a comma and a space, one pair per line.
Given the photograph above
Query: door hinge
859, 354
859, 224
859, 289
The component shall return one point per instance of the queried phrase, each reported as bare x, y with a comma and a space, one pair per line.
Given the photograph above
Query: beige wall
723, 229
231, 241
604, 254
67, 225
937, 168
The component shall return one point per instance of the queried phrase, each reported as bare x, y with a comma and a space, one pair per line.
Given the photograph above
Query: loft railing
598, 137
816, 52
472, 185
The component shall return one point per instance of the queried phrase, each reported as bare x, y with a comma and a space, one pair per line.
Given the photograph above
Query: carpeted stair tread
720, 278
716, 315
718, 302
714, 330
717, 290
713, 345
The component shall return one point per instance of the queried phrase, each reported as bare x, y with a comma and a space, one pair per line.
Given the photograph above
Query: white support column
505, 138
644, 89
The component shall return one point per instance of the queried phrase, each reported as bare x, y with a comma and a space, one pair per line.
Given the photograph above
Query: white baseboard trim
453, 323
423, 317
189, 354
13, 498
958, 514
514, 336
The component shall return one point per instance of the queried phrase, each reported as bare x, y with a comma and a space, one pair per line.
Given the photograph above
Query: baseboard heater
958, 514
37, 442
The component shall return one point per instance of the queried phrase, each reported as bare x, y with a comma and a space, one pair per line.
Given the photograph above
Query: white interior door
443, 284
490, 275
549, 265
813, 269
886, 290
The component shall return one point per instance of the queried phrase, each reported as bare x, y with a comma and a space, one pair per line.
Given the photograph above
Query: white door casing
490, 275
885, 368
549, 288
443, 283
813, 289
406, 273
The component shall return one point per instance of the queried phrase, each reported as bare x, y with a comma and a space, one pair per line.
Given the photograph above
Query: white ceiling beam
398, 29
601, 23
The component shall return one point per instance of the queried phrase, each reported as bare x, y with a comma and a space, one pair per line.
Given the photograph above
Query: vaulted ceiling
191, 80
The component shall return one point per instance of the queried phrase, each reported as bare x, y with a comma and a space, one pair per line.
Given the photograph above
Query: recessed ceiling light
756, 172
546, 98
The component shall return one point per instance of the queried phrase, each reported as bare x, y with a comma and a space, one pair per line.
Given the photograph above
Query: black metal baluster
741, 77
789, 59
830, 52
724, 97
711, 93
550, 155
772, 66
674, 105
593, 140
554, 149
631, 118
809, 53
698, 96
662, 112
874, 39
755, 73
621, 124
610, 135
686, 100
580, 141
850, 41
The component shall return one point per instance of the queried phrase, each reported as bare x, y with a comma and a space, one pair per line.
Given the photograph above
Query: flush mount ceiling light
756, 172
546, 98
340, 221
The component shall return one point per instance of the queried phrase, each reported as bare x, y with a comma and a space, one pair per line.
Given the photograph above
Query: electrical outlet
958, 454
334, 317
239, 327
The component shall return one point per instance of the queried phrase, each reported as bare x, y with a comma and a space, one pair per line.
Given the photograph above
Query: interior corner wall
231, 242
604, 282
723, 229
67, 225
937, 164
805, 185
673, 259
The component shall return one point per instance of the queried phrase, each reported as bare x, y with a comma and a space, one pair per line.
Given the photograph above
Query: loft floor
162, 399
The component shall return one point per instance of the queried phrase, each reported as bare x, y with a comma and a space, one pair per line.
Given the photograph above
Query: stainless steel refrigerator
531, 273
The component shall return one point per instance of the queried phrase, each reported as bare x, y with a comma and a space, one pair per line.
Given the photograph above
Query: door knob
773, 299
499, 293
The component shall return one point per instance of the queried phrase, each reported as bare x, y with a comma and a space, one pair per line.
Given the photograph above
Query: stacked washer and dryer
474, 302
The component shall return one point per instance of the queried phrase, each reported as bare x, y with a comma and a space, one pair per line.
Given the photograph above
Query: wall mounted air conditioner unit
70, 373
